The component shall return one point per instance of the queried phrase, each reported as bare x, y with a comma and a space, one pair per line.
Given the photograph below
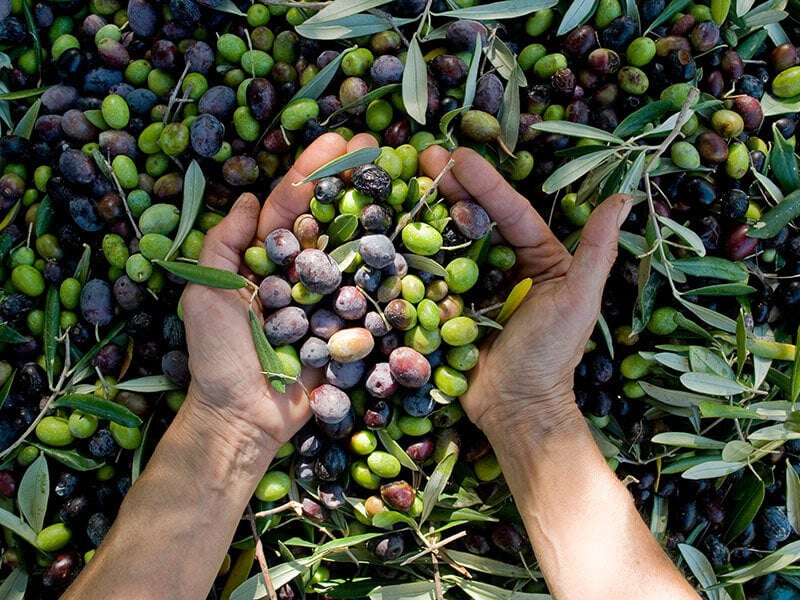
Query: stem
423, 200
174, 95
390, 20
262, 560
122, 195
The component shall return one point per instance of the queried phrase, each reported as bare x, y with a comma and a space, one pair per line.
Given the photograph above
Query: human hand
525, 374
226, 377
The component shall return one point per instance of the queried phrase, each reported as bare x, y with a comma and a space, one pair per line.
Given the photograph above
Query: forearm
587, 535
177, 521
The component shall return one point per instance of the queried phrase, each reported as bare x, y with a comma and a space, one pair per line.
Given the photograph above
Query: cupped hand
226, 377
525, 373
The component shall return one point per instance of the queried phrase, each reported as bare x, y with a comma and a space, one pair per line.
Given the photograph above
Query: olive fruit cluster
390, 314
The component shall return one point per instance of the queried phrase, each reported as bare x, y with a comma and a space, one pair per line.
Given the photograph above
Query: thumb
598, 249
225, 242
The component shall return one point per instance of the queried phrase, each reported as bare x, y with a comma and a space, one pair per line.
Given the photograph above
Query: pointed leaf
574, 170
347, 27
484, 564
736, 451
711, 410
340, 9
687, 440
6, 388
34, 491
393, 448
635, 123
577, 14
21, 94
677, 398
415, 83
342, 228
772, 106
478, 590
712, 469
509, 116
270, 363
343, 163
746, 496
792, 497
9, 335
345, 254
100, 407
795, 381
578, 130
777, 217
722, 289
686, 234
515, 298
436, 484
711, 317
782, 161
703, 360
194, 185
149, 384
781, 558
504, 9
82, 268
13, 588
11, 521
712, 267
71, 458
701, 569
52, 325
672, 9
423, 263
25, 125
633, 175
472, 75
705, 383
226, 6
44, 217
505, 61
208, 276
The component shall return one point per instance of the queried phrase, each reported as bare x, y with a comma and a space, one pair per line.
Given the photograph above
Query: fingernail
624, 211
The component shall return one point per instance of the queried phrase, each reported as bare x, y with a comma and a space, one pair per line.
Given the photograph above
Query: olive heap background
129, 130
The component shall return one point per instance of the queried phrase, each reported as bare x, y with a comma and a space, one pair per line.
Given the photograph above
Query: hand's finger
287, 201
597, 250
225, 242
432, 161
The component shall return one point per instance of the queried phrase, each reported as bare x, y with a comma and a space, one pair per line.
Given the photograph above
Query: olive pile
393, 335
96, 185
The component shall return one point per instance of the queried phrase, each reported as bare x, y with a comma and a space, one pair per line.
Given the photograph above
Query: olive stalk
262, 560
408, 217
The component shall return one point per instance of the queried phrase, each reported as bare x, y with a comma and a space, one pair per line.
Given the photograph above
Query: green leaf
578, 130
82, 268
270, 363
44, 217
777, 217
71, 458
736, 451
648, 286
673, 361
773, 433
701, 569
577, 14
681, 465
340, 9
783, 557
415, 82
280, 575
86, 358
605, 330
345, 254
9, 335
423, 263
687, 440
748, 47
712, 410
711, 317
765, 18
344, 162
635, 122
387, 519
491, 566
633, 175
25, 125
712, 469
711, 267
782, 162
772, 106
745, 499
99, 407
380, 92
677, 398
11, 521
741, 343
770, 187
342, 228
393, 448
684, 233
226, 6
414, 590
149, 384
494, 11
52, 327
575, 169
792, 497
478, 590
13, 588
703, 360
21, 94
138, 459
347, 27
795, 381
705, 383
505, 61
208, 276
472, 75
6, 388
436, 484
672, 9
34, 491
194, 185
509, 116
722, 289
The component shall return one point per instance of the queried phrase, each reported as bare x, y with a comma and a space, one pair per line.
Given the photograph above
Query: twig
121, 192
291, 504
437, 578
389, 19
262, 560
174, 95
408, 217
433, 547
425, 15
46, 407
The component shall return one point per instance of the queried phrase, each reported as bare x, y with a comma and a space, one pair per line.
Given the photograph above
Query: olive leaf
33, 30
633, 175
34, 491
138, 459
416, 590
415, 83
471, 84
684, 233
347, 27
6, 388
736, 451
687, 440
712, 469
208, 276
339, 9
280, 575
70, 458
14, 586
711, 267
345, 254
12, 522
795, 381
750, 45
9, 335
770, 187
647, 290
780, 559
343, 163
701, 569
387, 519
149, 384
380, 92
635, 122
677, 398
225, 6
194, 185
44, 217
772, 106
605, 330
706, 383
52, 324
777, 217
396, 450
672, 9
270, 363
87, 358
723, 289
82, 268
764, 18
509, 116
504, 60
703, 360
783, 162
792, 497
423, 263
575, 169
577, 14
741, 343
505, 9
24, 127
514, 299
478, 590
437, 482
342, 228
21, 94
99, 407
747, 495
484, 564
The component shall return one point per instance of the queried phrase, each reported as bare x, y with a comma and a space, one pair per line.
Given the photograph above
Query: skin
203, 472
